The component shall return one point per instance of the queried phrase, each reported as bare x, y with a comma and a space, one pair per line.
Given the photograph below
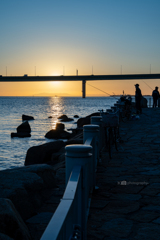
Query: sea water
13, 150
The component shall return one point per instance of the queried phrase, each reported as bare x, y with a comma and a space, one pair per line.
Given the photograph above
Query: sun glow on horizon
56, 73
56, 83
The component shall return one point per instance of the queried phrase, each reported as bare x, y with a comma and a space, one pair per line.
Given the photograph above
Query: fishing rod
102, 91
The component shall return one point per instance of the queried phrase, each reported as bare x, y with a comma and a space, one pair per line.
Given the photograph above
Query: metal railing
70, 218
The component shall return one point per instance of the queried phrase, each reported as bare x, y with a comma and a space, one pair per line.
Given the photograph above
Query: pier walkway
127, 203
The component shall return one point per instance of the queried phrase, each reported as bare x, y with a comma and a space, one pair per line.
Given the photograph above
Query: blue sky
58, 37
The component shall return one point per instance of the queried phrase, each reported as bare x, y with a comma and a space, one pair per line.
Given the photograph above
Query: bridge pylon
83, 88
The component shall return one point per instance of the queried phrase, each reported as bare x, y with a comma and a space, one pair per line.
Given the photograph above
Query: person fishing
138, 97
155, 96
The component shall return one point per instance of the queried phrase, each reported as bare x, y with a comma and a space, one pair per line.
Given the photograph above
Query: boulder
144, 102
86, 120
20, 135
60, 126
24, 128
5, 237
42, 153
23, 131
24, 186
58, 134
64, 118
27, 118
58, 157
11, 223
76, 116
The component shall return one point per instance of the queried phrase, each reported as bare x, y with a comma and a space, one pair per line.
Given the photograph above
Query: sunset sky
48, 37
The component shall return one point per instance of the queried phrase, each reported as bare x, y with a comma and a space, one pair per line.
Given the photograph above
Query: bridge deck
78, 78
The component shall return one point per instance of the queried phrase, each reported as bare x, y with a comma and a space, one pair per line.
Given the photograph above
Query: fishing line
147, 85
102, 91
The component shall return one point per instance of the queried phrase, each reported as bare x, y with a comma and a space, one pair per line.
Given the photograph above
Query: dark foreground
125, 206
127, 203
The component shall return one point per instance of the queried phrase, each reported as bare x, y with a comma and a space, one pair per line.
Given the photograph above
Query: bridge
82, 78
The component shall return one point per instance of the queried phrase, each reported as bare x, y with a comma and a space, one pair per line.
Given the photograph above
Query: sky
48, 37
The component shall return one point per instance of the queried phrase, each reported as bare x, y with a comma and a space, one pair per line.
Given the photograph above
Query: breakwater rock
76, 116
43, 153
23, 130
11, 223
22, 192
86, 120
27, 118
58, 133
65, 118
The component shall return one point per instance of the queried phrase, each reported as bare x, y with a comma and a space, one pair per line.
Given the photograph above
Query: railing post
97, 120
80, 155
92, 131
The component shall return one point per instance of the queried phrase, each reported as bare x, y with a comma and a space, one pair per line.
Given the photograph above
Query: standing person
155, 95
138, 97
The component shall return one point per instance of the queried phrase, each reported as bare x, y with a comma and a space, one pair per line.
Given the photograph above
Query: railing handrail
58, 220
89, 141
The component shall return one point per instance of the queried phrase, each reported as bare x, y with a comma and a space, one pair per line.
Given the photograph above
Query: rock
27, 118
67, 120
58, 134
24, 186
20, 135
50, 117
60, 126
38, 223
58, 157
11, 223
144, 102
76, 116
24, 128
86, 120
64, 118
42, 153
5, 237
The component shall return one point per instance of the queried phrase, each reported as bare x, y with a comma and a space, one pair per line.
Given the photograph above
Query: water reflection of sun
55, 110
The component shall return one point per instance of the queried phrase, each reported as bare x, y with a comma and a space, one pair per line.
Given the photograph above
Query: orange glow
74, 88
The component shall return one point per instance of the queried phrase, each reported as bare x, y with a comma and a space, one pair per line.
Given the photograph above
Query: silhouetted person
138, 97
155, 95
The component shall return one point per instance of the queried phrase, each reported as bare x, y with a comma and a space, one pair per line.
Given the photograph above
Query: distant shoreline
75, 96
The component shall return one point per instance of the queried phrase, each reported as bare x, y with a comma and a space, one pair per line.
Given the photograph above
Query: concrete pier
127, 203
